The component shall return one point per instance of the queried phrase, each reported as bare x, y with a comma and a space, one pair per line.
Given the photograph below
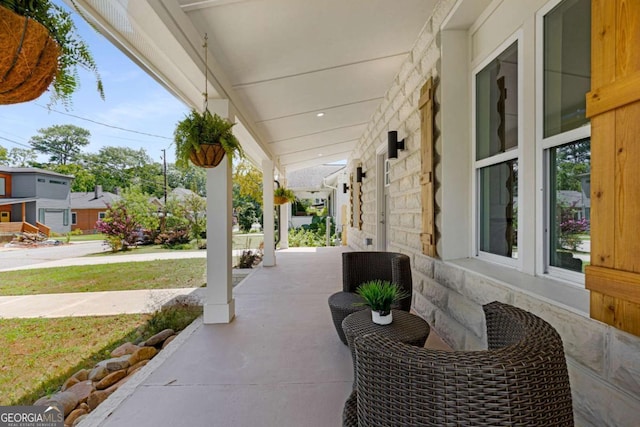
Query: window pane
567, 66
2, 185
498, 209
570, 203
497, 105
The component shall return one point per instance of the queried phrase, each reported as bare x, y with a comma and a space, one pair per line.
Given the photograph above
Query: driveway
10, 258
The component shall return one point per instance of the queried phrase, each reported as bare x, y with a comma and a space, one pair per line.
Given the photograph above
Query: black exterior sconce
345, 187
393, 144
360, 174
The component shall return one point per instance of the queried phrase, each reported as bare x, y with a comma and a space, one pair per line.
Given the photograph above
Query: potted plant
39, 47
205, 138
283, 195
380, 295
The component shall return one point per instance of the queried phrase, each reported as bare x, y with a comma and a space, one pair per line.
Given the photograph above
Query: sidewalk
91, 303
101, 303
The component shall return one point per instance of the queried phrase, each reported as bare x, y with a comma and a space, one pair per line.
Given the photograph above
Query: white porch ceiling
279, 62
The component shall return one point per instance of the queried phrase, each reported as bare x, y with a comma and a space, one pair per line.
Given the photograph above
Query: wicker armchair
521, 380
359, 267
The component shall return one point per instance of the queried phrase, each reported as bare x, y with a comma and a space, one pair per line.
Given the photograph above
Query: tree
61, 142
119, 227
140, 208
83, 182
196, 210
572, 161
121, 167
249, 180
22, 157
4, 156
247, 193
193, 178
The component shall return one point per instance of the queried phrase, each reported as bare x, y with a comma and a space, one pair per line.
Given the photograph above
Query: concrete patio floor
279, 363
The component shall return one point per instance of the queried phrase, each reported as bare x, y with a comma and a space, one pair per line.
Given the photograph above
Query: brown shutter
351, 201
427, 236
613, 106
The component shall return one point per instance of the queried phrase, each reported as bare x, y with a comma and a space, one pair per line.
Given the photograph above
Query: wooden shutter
613, 106
427, 236
351, 201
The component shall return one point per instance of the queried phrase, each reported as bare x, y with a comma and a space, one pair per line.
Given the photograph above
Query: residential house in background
89, 207
33, 200
311, 184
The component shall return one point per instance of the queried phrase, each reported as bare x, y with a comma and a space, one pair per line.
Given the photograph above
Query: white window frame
74, 218
516, 153
543, 210
101, 215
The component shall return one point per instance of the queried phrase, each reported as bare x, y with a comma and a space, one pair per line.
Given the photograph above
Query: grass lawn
38, 355
146, 249
159, 274
247, 241
83, 237
37, 351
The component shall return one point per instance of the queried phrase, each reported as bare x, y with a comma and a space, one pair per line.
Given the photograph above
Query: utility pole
164, 161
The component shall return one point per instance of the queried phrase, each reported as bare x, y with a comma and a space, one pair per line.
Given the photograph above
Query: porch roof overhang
302, 78
16, 200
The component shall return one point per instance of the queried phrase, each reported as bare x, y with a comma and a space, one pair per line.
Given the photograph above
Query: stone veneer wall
604, 363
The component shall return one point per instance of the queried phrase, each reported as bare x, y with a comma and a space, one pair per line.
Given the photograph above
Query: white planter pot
381, 320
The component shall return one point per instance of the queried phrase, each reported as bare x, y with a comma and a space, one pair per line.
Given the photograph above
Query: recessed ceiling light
319, 154
319, 114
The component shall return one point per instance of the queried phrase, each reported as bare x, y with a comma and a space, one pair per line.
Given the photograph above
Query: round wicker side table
341, 305
406, 328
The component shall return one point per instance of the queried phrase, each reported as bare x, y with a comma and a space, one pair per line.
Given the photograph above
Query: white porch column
284, 225
219, 306
269, 258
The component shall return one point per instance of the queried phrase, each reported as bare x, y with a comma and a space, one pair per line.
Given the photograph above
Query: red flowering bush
120, 228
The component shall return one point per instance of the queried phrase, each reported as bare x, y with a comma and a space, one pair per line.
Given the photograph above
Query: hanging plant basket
28, 58
279, 200
207, 156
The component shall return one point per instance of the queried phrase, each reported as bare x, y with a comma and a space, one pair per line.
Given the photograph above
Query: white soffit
280, 62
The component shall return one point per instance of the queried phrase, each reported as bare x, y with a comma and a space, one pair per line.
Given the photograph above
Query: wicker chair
521, 380
359, 267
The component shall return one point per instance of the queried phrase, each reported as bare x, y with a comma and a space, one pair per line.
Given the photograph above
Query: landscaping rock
71, 381
111, 379
79, 420
168, 341
97, 397
81, 375
74, 415
159, 338
65, 400
117, 363
98, 373
82, 390
143, 353
136, 367
126, 348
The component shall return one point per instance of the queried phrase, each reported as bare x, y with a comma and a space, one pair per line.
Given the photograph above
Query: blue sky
133, 100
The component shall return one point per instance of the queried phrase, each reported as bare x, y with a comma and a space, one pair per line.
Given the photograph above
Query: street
17, 257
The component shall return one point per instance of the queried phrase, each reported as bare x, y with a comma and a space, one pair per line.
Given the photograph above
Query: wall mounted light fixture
360, 174
345, 187
393, 144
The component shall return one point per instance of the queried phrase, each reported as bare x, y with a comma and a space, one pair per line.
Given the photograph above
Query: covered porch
279, 363
313, 82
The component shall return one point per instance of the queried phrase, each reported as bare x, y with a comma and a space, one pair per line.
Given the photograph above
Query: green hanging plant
72, 51
204, 139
